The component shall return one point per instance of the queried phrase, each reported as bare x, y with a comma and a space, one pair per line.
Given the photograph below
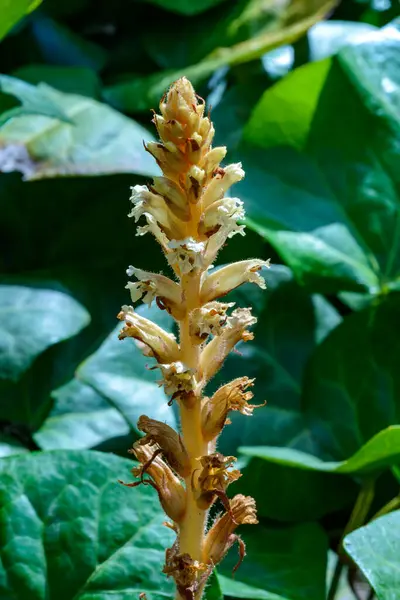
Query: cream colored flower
231, 396
161, 344
221, 281
209, 319
219, 347
186, 255
223, 179
178, 378
223, 213
153, 286
147, 203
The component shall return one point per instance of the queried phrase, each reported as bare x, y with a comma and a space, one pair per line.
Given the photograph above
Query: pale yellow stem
191, 533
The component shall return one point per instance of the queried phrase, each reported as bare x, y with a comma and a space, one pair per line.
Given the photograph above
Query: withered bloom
221, 535
232, 396
170, 490
189, 212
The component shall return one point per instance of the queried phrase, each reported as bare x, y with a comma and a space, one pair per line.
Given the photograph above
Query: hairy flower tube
187, 211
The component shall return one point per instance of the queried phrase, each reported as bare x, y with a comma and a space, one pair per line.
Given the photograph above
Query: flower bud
173, 195
219, 347
154, 286
169, 158
161, 344
226, 279
168, 440
181, 102
171, 493
232, 396
220, 537
213, 158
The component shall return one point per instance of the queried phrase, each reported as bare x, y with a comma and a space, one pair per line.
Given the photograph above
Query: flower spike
189, 212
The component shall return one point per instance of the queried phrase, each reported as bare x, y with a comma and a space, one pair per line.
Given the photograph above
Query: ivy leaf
341, 125
118, 371
69, 530
280, 564
96, 140
375, 549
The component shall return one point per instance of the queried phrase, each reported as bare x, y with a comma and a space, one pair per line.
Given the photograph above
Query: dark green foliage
315, 119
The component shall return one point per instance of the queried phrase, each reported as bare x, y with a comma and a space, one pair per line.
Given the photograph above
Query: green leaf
81, 418
35, 101
281, 564
351, 386
341, 124
99, 141
379, 453
32, 321
61, 46
117, 371
10, 446
72, 80
12, 11
69, 530
375, 549
276, 358
277, 27
184, 7
298, 494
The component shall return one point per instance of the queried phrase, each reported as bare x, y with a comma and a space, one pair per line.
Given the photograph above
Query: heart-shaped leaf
33, 320
97, 140
81, 418
281, 564
70, 530
375, 548
332, 209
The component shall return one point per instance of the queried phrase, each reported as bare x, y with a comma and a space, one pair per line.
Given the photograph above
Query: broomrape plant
189, 215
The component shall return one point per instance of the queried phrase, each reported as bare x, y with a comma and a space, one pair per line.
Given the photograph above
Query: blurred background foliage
306, 93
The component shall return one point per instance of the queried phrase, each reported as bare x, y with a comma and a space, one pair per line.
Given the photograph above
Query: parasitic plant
188, 213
